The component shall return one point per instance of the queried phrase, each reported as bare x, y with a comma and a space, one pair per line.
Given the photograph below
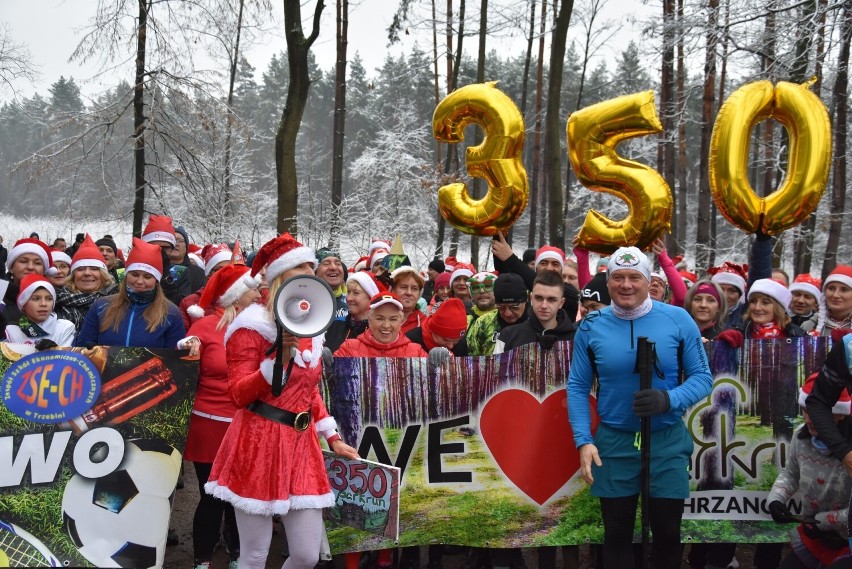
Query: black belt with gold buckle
299, 421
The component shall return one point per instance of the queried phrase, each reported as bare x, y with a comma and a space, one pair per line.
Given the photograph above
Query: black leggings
208, 520
619, 516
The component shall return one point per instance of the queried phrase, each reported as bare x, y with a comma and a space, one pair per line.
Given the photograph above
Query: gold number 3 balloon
809, 156
593, 134
497, 160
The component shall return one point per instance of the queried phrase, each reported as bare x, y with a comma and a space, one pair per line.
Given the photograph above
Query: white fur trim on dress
271, 507
254, 317
267, 369
327, 425
195, 312
289, 260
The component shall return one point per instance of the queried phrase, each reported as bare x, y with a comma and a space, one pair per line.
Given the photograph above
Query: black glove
650, 402
780, 513
45, 344
327, 364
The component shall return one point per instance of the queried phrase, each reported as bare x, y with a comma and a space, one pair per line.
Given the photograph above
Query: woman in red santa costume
270, 461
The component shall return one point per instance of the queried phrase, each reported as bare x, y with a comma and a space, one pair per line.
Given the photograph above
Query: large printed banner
90, 453
487, 455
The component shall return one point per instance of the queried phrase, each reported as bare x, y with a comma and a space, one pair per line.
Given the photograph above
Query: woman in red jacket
228, 292
270, 461
382, 338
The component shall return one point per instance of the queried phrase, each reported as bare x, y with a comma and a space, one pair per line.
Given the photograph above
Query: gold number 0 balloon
809, 156
593, 134
497, 159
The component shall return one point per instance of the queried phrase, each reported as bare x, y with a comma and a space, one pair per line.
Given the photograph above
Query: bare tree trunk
139, 119
840, 95
804, 243
339, 128
453, 157
298, 47
553, 126
668, 105
435, 71
682, 188
229, 126
480, 78
708, 111
769, 166
535, 198
723, 77
442, 223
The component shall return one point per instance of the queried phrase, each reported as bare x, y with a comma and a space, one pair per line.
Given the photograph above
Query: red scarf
767, 331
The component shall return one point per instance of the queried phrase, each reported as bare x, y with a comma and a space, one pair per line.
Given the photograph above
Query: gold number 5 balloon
497, 160
809, 156
593, 134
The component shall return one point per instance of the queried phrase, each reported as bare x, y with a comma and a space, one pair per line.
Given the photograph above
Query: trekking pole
645, 365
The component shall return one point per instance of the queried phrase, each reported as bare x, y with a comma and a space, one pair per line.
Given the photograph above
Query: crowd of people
255, 457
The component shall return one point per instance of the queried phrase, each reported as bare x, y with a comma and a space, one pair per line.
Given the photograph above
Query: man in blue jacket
605, 347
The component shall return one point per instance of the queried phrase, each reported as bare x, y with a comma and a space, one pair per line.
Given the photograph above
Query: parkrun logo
50, 387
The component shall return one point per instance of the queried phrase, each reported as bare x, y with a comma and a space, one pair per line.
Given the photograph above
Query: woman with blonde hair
87, 281
228, 292
139, 315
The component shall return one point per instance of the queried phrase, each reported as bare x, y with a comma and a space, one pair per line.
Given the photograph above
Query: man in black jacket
548, 322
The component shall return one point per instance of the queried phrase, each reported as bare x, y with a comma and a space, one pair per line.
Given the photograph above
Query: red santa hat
361, 264
730, 274
213, 254
460, 271
378, 244
841, 274
442, 280
159, 228
34, 246
367, 281
224, 288
60, 256
237, 257
773, 289
281, 254
408, 270
844, 402
450, 264
449, 319
88, 255
550, 252
688, 277
145, 257
31, 283
808, 284
375, 257
385, 298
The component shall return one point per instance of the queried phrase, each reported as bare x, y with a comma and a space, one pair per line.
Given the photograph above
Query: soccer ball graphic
122, 519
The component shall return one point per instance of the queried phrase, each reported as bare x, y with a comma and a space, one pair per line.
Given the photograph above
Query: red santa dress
264, 467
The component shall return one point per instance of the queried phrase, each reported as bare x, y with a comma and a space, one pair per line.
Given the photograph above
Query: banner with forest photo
487, 456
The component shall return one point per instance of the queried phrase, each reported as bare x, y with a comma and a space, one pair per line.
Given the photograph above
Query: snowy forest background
67, 163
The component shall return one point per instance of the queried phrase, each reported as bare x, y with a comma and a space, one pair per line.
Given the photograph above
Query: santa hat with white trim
773, 289
550, 252
224, 288
159, 228
841, 274
88, 255
145, 257
730, 274
34, 246
31, 283
368, 282
213, 254
844, 402
385, 298
60, 256
281, 254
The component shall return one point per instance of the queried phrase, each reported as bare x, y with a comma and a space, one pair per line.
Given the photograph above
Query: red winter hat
88, 255
145, 257
31, 283
213, 254
730, 274
385, 298
281, 254
371, 285
449, 320
224, 288
840, 274
450, 264
237, 257
159, 228
844, 402
193, 248
688, 276
34, 246
550, 252
808, 284
61, 256
360, 265
442, 280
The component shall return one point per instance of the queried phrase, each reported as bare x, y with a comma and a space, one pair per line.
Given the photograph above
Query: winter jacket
342, 330
366, 346
179, 281
59, 330
481, 337
531, 332
835, 376
132, 330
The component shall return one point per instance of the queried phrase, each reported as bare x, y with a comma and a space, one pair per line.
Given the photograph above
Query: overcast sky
51, 29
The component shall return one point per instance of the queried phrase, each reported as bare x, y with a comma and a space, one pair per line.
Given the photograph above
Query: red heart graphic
532, 442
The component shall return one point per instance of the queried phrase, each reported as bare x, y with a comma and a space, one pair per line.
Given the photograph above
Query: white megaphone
305, 306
